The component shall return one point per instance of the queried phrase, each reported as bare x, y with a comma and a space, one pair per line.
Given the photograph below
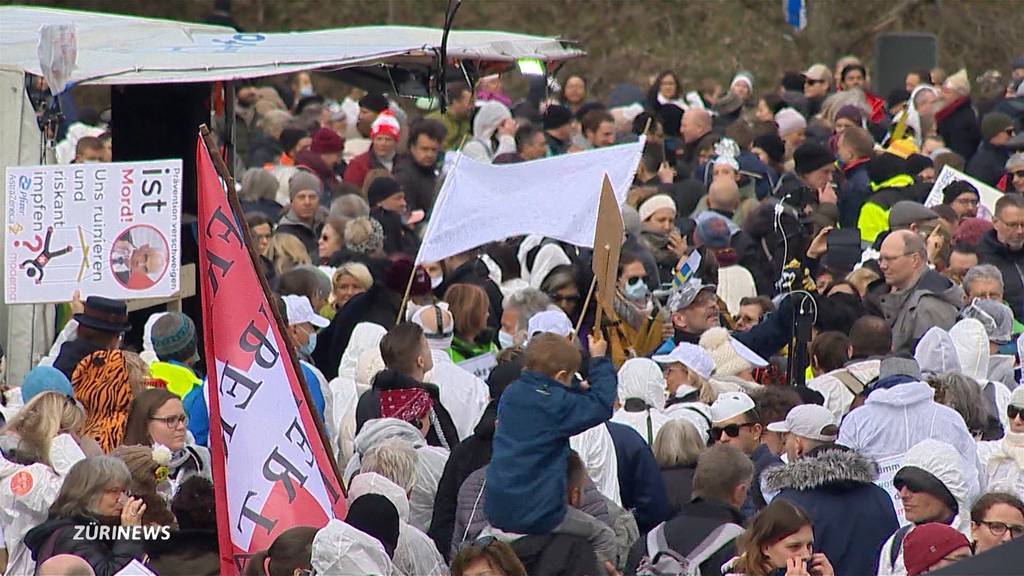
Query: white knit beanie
728, 362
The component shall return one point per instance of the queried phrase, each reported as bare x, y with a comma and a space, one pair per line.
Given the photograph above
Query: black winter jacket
695, 522
1011, 264
368, 407
107, 557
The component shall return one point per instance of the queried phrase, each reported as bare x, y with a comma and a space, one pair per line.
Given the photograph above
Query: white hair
394, 459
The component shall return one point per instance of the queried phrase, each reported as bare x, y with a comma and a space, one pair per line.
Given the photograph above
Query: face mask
436, 281
306, 91
636, 290
307, 350
506, 340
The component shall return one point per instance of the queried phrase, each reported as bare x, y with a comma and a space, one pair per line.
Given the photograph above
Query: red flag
271, 470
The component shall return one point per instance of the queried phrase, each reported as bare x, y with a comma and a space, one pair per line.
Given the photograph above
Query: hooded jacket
464, 395
936, 353
932, 301
430, 463
894, 420
341, 550
20, 512
471, 517
597, 450
307, 232
958, 125
482, 147
642, 397
852, 516
873, 218
343, 389
1003, 462
538, 415
106, 557
834, 386
941, 461
1010, 264
415, 554
971, 343
640, 483
368, 407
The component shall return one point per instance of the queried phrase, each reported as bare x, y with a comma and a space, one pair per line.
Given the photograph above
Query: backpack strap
855, 386
897, 544
714, 542
656, 541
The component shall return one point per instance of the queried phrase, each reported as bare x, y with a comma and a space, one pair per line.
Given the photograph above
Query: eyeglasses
1000, 528
732, 430
1014, 412
173, 421
1012, 225
1017, 174
812, 81
891, 259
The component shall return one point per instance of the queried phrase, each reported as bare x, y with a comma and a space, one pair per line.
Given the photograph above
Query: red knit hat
927, 544
326, 141
386, 124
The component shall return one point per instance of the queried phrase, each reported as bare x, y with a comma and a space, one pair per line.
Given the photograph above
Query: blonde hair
861, 278
357, 270
678, 444
43, 419
138, 372
286, 252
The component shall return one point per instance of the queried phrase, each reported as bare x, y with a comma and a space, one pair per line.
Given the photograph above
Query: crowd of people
486, 424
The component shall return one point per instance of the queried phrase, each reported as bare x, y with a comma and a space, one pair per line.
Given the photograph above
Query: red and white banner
271, 470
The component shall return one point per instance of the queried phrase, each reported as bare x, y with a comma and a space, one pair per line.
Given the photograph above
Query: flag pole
586, 302
236, 208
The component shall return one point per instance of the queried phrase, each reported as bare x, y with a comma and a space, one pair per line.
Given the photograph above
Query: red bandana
408, 404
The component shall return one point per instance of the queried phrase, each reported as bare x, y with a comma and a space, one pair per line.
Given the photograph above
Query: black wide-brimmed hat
104, 314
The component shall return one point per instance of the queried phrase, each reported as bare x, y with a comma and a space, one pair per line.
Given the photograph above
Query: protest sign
104, 229
480, 366
887, 469
271, 468
948, 175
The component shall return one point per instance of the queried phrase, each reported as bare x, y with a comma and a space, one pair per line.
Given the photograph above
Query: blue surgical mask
636, 290
506, 340
307, 350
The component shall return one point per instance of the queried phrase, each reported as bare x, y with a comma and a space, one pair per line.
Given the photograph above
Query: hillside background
630, 40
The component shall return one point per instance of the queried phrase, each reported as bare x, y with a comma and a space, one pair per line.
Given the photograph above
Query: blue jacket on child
526, 480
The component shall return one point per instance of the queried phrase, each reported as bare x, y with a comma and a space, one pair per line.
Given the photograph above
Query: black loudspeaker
157, 122
899, 53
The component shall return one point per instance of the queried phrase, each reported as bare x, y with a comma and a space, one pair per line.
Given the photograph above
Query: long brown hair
40, 421
468, 305
776, 521
142, 409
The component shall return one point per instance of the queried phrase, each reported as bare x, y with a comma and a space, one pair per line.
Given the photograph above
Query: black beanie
956, 188
886, 166
916, 163
381, 188
556, 116
772, 145
375, 516
810, 157
375, 102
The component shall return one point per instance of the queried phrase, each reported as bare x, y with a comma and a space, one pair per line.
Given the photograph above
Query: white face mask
436, 281
506, 340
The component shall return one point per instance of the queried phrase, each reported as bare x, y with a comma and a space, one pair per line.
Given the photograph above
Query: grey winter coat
933, 301
470, 510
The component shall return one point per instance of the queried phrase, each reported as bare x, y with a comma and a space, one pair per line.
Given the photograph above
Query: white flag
555, 197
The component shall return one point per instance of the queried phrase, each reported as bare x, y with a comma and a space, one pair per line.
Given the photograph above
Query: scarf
1011, 448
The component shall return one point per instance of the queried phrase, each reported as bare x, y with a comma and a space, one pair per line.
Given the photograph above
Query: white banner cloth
555, 197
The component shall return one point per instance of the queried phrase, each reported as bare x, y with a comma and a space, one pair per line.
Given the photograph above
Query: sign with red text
108, 229
271, 469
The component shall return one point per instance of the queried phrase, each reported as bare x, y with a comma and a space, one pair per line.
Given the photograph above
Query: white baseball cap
730, 405
690, 355
300, 311
807, 421
747, 354
553, 321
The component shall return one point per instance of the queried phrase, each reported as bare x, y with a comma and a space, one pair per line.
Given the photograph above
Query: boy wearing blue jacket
538, 413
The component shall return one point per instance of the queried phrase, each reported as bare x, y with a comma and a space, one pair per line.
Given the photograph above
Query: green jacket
462, 350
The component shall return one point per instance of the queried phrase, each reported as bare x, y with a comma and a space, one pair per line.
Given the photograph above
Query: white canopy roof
115, 49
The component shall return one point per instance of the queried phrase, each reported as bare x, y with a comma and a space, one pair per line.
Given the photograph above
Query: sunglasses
813, 81
1014, 412
1017, 174
732, 430
635, 280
